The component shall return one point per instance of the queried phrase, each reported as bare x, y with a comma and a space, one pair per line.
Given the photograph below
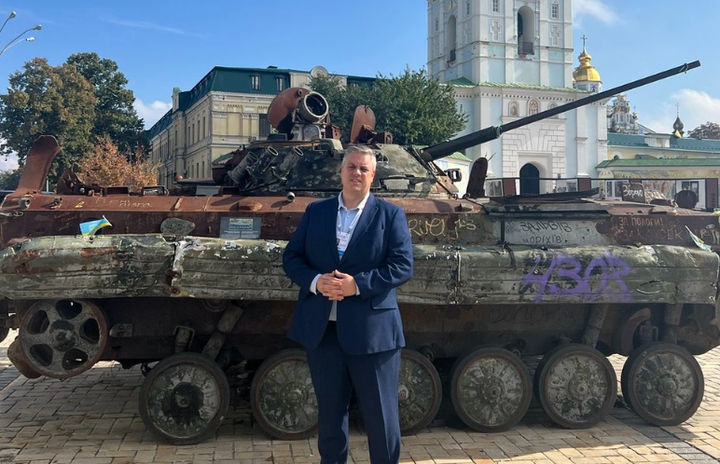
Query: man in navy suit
348, 255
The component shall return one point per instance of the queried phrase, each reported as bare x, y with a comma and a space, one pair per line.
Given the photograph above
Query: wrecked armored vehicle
196, 283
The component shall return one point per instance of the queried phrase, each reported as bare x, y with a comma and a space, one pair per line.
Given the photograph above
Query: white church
512, 58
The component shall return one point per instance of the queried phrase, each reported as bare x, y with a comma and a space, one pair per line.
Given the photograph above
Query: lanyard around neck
352, 224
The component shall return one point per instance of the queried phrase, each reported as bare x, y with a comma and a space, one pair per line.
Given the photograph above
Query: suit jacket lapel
365, 220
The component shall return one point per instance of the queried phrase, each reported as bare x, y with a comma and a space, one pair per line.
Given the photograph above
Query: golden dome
586, 72
678, 127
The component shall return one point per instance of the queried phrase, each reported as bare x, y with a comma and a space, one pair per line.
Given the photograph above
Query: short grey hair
360, 149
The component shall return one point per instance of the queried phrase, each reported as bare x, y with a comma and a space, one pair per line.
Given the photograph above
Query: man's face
357, 173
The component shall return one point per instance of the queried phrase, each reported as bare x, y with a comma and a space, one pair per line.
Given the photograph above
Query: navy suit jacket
379, 257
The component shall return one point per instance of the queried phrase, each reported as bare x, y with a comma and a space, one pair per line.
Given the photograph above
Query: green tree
115, 114
9, 179
45, 99
417, 109
342, 100
709, 130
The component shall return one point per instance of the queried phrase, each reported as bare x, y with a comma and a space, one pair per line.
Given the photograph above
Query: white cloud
593, 9
8, 163
144, 25
152, 112
696, 108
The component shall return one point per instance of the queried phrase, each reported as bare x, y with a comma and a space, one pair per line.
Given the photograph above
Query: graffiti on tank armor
566, 276
439, 227
541, 232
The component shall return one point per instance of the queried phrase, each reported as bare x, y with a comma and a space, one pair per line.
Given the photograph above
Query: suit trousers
375, 378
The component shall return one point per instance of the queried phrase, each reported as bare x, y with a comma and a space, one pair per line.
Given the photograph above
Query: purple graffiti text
602, 278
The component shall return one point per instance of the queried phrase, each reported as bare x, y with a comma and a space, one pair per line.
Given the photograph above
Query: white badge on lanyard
343, 238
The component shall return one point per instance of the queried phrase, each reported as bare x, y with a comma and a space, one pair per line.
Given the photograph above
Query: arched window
526, 30
533, 107
555, 10
451, 38
553, 105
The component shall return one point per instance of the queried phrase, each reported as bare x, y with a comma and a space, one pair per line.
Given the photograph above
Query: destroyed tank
192, 289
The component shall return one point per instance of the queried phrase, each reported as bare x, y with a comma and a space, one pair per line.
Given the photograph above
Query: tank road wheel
576, 385
662, 383
419, 392
184, 398
63, 338
282, 396
490, 389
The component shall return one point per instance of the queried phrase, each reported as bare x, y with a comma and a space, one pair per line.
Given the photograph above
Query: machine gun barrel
487, 134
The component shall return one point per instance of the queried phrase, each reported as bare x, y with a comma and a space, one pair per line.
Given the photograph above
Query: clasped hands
336, 285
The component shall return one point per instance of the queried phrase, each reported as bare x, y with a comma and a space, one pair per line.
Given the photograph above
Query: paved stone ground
93, 419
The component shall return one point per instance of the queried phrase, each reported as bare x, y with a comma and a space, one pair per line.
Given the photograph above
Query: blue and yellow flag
698, 241
91, 227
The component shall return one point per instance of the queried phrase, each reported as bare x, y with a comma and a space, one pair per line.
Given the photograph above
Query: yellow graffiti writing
440, 227
124, 203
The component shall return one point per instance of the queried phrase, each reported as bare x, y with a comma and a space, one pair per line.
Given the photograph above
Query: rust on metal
285, 104
363, 119
37, 164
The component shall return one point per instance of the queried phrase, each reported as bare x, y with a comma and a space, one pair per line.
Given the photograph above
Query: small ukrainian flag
698, 241
91, 227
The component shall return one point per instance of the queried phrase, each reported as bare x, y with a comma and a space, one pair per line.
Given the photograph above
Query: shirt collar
360, 206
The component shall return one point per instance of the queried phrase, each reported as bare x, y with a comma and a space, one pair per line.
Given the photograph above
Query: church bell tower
525, 42
508, 59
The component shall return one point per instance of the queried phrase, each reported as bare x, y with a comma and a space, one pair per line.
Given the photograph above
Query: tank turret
303, 156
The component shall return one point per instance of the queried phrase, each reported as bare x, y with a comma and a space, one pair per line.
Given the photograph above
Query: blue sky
161, 45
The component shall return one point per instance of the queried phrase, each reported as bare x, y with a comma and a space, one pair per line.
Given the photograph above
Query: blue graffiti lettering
603, 277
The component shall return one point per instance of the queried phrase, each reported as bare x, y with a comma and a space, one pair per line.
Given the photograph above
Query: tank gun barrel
487, 134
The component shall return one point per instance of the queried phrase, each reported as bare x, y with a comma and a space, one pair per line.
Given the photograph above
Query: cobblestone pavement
93, 419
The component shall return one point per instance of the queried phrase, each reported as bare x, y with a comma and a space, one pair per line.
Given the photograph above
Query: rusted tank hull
105, 266
493, 282
147, 285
